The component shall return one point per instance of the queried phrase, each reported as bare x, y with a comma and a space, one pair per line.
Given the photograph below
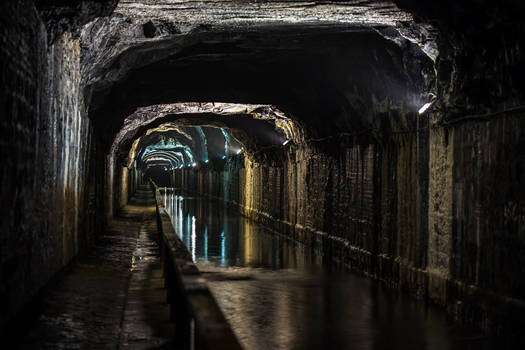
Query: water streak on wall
44, 149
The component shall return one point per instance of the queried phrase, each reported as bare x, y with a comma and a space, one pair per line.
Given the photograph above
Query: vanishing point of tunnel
262, 174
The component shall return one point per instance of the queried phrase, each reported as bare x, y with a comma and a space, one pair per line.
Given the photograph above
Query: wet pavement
279, 294
113, 298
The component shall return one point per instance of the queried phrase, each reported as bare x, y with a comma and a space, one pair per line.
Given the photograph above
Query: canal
279, 294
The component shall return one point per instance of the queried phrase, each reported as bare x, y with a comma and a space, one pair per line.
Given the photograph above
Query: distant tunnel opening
159, 140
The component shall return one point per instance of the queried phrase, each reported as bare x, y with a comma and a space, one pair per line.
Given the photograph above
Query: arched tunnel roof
346, 66
172, 157
252, 125
182, 146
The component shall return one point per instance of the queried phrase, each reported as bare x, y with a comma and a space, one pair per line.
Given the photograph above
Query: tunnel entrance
164, 141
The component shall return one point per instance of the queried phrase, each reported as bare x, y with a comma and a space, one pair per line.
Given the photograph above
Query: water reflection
136, 258
278, 295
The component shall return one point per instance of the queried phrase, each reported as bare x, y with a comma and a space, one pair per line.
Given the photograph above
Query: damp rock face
63, 16
476, 157
48, 203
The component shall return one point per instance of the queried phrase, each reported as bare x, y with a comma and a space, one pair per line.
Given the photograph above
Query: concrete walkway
114, 298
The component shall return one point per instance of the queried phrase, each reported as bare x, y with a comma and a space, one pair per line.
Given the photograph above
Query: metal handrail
200, 323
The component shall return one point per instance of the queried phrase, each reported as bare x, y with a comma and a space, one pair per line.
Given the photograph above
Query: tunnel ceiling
253, 126
355, 64
174, 146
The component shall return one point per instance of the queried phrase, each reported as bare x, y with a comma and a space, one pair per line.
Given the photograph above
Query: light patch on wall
226, 142
204, 142
133, 152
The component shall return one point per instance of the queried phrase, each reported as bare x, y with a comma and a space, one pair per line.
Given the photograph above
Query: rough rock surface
63, 16
48, 207
216, 114
234, 43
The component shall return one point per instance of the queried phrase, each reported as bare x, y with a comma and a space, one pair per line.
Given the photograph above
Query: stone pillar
422, 170
439, 214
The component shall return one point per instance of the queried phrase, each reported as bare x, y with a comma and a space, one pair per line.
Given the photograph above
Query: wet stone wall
358, 201
477, 167
489, 233
44, 147
354, 199
477, 241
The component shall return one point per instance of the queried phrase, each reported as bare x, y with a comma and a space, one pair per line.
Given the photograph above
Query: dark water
278, 294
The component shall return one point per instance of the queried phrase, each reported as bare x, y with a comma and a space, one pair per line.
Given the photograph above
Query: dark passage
279, 294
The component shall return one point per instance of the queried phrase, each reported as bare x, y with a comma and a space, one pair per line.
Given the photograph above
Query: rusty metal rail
200, 323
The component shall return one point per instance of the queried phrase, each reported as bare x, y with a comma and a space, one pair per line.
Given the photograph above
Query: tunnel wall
126, 182
118, 189
354, 198
359, 201
476, 225
124, 186
48, 211
477, 167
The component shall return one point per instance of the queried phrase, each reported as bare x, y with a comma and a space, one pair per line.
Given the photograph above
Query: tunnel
274, 174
